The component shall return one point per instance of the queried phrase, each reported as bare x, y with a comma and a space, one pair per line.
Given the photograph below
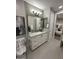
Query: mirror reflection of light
35, 11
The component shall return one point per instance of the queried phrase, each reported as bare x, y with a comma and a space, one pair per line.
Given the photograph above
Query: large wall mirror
35, 19
37, 24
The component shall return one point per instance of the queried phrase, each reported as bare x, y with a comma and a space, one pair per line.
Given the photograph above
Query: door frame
59, 12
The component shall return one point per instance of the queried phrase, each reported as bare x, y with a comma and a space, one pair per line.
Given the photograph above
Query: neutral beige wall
20, 8
50, 14
47, 13
51, 28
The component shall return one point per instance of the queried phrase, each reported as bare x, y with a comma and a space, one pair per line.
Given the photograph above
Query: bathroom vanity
37, 39
37, 26
37, 31
38, 34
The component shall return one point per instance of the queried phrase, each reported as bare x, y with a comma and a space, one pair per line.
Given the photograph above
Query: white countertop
36, 33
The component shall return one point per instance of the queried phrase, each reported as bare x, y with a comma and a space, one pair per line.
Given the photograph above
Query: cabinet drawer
35, 38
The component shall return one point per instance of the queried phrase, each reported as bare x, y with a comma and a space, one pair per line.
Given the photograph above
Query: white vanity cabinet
37, 40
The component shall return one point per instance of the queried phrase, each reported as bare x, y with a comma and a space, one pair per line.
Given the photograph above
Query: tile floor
49, 50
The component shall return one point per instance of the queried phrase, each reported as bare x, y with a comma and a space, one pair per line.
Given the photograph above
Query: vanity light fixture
36, 12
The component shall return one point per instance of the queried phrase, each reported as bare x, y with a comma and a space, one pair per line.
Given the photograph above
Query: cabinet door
45, 36
35, 39
38, 40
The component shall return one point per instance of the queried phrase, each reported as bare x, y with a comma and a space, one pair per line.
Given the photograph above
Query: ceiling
43, 4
